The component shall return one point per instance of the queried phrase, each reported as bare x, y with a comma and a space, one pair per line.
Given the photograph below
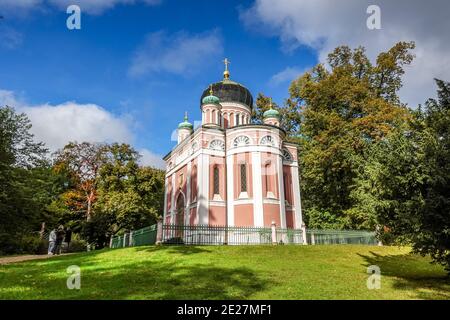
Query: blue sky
136, 65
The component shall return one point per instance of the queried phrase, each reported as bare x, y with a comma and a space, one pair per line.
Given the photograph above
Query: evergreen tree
25, 185
404, 185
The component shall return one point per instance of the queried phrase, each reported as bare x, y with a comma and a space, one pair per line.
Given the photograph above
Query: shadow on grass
184, 250
410, 273
173, 277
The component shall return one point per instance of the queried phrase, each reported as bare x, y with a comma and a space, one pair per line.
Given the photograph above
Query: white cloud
325, 24
99, 6
10, 38
286, 75
19, 4
56, 125
149, 158
87, 6
180, 53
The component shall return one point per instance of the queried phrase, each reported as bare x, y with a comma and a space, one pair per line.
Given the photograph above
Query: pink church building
229, 171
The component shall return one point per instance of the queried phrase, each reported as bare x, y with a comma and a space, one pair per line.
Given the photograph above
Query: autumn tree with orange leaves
82, 163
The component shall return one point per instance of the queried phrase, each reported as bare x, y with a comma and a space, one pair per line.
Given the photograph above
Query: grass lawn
229, 272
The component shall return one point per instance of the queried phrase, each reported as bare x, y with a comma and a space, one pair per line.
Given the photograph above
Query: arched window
194, 184
287, 156
243, 169
237, 119
287, 193
180, 210
267, 178
218, 145
268, 140
241, 141
216, 186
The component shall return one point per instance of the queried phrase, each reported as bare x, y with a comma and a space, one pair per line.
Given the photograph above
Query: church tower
211, 110
184, 129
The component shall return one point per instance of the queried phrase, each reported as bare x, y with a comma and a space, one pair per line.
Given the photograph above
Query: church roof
271, 113
211, 98
230, 91
185, 124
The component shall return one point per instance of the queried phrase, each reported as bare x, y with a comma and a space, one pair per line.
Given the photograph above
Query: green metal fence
289, 236
144, 236
340, 237
141, 237
220, 235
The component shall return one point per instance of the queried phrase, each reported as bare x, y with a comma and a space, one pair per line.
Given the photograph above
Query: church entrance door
180, 216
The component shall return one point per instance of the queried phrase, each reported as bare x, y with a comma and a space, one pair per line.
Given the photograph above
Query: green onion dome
185, 124
271, 113
211, 98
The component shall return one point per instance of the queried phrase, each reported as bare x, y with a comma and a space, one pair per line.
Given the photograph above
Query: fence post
130, 241
305, 240
274, 233
110, 241
159, 231
124, 244
313, 239
377, 232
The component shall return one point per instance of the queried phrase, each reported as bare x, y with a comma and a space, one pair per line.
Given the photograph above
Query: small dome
185, 124
271, 113
211, 99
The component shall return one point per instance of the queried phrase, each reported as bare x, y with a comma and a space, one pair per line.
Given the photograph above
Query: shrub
77, 244
33, 244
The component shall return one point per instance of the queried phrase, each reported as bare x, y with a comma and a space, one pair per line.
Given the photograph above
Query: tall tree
132, 195
343, 109
23, 179
405, 184
82, 162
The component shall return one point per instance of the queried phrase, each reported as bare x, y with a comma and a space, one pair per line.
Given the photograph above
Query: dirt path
14, 259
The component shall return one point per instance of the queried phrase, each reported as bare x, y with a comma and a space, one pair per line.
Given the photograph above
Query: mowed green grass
229, 272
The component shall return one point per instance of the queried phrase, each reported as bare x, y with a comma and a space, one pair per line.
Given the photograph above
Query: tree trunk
89, 208
41, 233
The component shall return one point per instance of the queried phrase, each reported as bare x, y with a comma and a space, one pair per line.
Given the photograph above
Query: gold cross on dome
226, 62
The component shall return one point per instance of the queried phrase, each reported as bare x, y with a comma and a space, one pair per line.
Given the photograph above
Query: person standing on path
59, 239
68, 238
52, 241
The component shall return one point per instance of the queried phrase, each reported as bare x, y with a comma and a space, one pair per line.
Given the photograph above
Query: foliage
17, 146
405, 183
82, 162
133, 195
77, 244
97, 230
335, 114
290, 117
26, 185
319, 219
98, 182
108, 186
